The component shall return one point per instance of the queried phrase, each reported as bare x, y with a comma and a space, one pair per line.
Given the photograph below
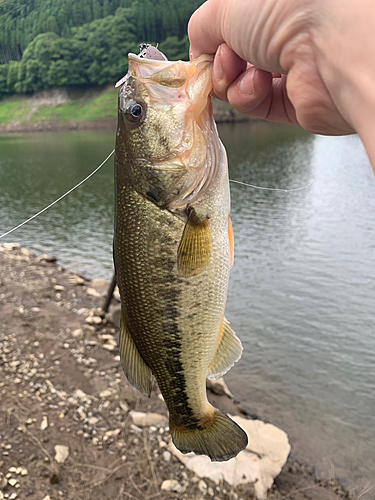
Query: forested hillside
50, 43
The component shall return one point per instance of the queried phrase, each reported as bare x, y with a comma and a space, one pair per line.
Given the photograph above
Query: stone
219, 387
44, 423
77, 333
109, 347
113, 433
11, 246
259, 463
94, 320
76, 280
105, 394
12, 481
167, 456
92, 292
79, 394
171, 485
93, 420
25, 252
146, 419
61, 453
114, 316
59, 288
202, 486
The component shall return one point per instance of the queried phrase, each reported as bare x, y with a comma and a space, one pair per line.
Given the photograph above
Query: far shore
63, 110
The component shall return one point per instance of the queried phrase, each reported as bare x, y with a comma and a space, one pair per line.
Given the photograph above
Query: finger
256, 93
204, 28
227, 67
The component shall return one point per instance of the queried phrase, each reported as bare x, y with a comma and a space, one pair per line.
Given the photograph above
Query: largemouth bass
173, 247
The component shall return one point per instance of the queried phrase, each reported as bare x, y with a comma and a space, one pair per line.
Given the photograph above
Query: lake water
301, 293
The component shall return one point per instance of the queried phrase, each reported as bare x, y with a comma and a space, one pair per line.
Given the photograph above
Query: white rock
113, 433
146, 419
202, 486
108, 337
79, 394
11, 246
12, 481
109, 347
44, 423
92, 292
77, 333
124, 406
59, 288
171, 485
25, 252
105, 394
260, 463
94, 320
61, 453
93, 420
167, 456
76, 280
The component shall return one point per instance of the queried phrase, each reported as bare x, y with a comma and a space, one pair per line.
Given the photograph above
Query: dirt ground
61, 384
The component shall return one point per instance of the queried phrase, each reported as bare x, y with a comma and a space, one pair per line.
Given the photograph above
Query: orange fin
231, 241
194, 251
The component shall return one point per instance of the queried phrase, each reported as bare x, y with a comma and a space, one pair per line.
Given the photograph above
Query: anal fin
135, 369
228, 351
194, 251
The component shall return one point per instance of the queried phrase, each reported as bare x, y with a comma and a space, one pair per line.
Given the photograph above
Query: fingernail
218, 68
247, 82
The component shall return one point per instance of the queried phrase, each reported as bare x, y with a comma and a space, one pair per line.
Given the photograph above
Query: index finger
204, 28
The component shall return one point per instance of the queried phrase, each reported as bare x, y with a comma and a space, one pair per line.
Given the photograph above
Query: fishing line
94, 172
273, 189
58, 199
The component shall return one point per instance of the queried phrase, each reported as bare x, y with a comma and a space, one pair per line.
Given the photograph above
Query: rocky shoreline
70, 425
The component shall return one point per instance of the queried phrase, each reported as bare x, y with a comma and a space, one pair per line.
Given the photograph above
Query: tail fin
220, 438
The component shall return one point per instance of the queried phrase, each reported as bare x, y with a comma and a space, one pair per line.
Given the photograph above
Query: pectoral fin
228, 351
194, 251
135, 369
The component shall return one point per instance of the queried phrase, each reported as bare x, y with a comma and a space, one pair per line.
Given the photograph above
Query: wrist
345, 56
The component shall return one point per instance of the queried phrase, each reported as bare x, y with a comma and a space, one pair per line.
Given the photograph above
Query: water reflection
301, 291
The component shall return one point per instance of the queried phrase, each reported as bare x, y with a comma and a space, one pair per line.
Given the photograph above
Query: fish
173, 246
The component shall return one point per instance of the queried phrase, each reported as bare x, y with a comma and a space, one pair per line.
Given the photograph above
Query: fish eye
134, 111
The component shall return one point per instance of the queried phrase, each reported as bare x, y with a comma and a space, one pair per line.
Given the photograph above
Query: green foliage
175, 49
50, 43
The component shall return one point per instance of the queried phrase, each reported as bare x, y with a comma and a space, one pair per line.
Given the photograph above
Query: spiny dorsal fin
194, 251
228, 351
135, 369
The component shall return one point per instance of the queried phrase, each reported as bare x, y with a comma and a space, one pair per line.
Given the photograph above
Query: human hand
280, 59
